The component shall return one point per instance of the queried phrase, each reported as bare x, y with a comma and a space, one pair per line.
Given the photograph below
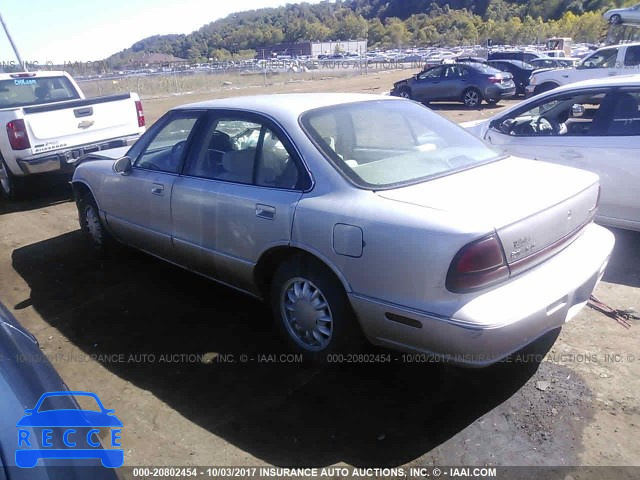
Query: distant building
312, 49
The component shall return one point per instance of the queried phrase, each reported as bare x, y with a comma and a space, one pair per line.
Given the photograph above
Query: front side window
603, 59
577, 114
432, 74
386, 144
166, 150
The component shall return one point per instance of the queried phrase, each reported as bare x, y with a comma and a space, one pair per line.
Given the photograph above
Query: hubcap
306, 314
5, 183
94, 227
471, 98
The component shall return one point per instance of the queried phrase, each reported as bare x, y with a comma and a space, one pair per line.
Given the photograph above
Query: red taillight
495, 79
17, 133
140, 113
477, 265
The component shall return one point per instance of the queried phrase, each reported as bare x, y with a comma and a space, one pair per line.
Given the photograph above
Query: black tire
94, 230
11, 187
493, 101
405, 92
472, 97
616, 20
345, 335
545, 87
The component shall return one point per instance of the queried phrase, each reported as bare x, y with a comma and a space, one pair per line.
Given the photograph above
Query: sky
85, 30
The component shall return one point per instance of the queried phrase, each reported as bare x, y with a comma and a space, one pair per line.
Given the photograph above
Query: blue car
25, 375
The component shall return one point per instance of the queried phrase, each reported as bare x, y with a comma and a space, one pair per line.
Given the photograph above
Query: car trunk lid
536, 208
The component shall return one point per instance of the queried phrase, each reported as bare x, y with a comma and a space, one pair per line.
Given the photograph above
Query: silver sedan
356, 215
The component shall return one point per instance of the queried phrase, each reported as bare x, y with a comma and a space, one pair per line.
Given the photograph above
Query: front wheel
92, 227
405, 93
472, 98
311, 309
616, 19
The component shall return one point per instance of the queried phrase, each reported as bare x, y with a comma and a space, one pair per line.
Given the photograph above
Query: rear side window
632, 57
24, 92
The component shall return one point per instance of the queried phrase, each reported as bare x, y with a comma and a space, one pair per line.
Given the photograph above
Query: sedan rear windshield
24, 92
390, 143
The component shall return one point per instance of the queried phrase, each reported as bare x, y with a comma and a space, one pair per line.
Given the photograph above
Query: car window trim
265, 121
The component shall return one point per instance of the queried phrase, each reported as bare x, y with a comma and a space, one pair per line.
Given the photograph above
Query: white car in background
592, 125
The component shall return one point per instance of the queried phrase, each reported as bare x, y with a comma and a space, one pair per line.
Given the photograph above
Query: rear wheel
311, 309
10, 185
472, 97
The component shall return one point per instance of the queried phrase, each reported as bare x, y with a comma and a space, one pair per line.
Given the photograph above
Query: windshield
385, 144
24, 92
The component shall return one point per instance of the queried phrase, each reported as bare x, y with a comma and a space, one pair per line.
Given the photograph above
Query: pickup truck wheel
545, 87
10, 185
472, 97
92, 227
311, 309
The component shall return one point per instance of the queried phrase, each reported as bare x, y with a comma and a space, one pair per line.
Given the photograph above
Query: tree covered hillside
390, 23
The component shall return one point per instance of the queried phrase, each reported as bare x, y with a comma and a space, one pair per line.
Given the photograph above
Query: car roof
289, 104
621, 81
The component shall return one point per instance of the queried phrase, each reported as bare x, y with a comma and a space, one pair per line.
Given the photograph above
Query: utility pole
13, 45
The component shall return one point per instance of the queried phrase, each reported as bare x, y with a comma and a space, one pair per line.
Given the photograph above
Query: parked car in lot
521, 71
356, 213
50, 124
25, 376
623, 15
470, 83
593, 125
605, 62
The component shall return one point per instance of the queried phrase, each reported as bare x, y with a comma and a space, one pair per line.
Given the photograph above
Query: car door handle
265, 211
611, 74
157, 189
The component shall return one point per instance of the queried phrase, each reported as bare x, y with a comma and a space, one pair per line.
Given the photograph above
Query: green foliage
386, 23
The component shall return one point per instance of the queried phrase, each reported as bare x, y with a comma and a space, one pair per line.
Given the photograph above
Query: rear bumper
495, 92
65, 160
490, 326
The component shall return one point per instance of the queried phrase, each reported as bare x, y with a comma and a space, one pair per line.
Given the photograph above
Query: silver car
356, 214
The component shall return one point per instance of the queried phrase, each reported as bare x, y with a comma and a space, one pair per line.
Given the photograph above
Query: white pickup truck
605, 62
49, 124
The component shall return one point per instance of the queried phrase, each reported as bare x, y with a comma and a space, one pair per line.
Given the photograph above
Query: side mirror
122, 166
577, 110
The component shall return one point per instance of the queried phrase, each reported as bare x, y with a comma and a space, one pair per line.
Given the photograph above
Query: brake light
495, 79
477, 265
22, 75
17, 133
140, 113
